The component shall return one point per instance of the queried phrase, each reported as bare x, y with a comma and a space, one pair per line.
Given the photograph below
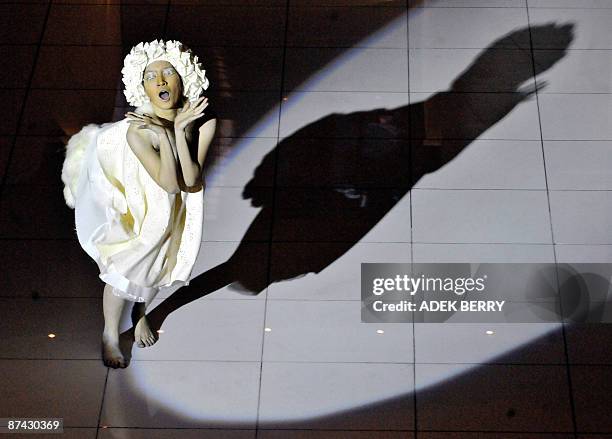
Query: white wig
184, 61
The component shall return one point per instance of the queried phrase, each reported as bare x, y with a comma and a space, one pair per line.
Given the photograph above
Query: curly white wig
184, 61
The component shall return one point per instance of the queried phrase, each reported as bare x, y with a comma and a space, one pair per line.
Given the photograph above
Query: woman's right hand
146, 122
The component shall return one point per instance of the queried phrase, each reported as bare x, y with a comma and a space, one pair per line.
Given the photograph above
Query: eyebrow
156, 70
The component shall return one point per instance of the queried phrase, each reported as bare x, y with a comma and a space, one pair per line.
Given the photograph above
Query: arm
192, 170
162, 167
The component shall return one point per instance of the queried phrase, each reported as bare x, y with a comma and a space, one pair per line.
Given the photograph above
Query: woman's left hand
189, 113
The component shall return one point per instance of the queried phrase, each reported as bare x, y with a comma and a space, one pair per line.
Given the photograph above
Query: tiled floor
349, 131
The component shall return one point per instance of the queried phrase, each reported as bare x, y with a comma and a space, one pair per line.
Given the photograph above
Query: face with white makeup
163, 85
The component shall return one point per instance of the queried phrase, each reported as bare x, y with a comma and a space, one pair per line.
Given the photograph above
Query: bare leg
143, 335
113, 306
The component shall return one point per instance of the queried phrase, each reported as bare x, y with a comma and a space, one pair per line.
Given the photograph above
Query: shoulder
137, 138
209, 115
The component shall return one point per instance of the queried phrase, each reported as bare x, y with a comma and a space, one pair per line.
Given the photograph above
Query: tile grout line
273, 204
563, 324
410, 177
26, 96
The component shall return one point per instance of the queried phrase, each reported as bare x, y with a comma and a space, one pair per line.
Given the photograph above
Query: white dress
141, 237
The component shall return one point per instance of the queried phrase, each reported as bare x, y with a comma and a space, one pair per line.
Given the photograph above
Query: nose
161, 80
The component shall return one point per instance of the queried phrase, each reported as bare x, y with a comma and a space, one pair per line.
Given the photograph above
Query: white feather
73, 163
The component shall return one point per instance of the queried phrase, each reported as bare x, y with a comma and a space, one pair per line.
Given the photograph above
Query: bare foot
143, 336
111, 354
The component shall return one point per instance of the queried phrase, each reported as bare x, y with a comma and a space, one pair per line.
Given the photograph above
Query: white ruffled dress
141, 237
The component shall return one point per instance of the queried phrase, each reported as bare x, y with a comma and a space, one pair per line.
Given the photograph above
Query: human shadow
337, 177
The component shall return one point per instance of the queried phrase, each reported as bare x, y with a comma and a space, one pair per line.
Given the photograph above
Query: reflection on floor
350, 131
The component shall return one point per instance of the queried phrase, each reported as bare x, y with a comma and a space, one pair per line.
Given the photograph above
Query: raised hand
189, 113
146, 122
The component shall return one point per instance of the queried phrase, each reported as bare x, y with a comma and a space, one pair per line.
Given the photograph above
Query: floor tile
331, 331
347, 27
51, 386
329, 434
240, 68
591, 392
13, 99
578, 165
579, 71
494, 398
330, 399
467, 435
466, 3
214, 330
470, 116
247, 268
302, 116
22, 24
62, 268
66, 111
227, 25
350, 70
142, 24
230, 2
182, 394
491, 253
343, 163
590, 28
47, 217
470, 343
149, 433
484, 164
234, 162
568, 4
473, 70
242, 113
339, 280
584, 341
581, 217
228, 216
103, 24
6, 144
468, 28
37, 160
83, 24
326, 214
81, 67
584, 253
576, 116
480, 216
68, 433
26, 323
18, 64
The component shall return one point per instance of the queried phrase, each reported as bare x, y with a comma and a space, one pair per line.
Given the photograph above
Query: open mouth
164, 95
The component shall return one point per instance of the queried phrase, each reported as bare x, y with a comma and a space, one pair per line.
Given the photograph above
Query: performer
137, 189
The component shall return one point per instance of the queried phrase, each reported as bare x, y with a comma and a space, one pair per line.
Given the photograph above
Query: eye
149, 76
169, 71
